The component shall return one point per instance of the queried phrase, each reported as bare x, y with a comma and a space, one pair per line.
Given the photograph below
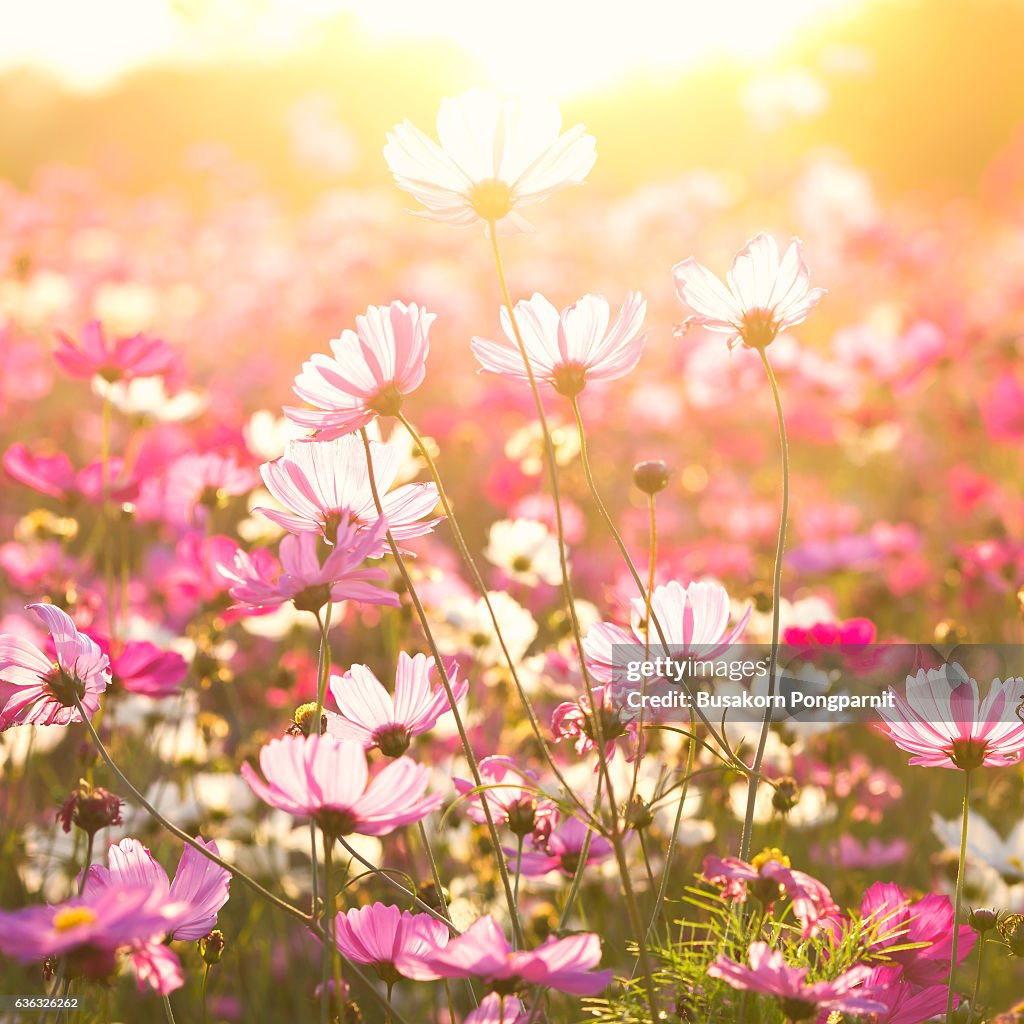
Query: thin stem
752, 781
168, 1012
202, 993
108, 547
329, 945
467, 557
519, 868
959, 898
90, 836
570, 600
184, 836
323, 668
467, 747
977, 976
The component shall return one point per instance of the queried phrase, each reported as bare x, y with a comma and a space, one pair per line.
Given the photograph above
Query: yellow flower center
73, 917
491, 199
770, 854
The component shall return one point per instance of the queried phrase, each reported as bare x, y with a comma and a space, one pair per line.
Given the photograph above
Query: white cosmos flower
494, 155
465, 625
985, 845
526, 550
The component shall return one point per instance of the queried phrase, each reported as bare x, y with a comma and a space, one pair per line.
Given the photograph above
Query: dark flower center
336, 821
312, 599
393, 740
798, 1009
64, 687
387, 402
759, 328
968, 754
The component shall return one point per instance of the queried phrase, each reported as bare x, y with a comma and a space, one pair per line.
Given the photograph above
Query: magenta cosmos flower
576, 721
325, 485
375, 718
325, 778
561, 849
383, 935
769, 877
34, 690
138, 356
143, 668
482, 951
199, 886
384, 358
570, 349
694, 619
495, 155
764, 296
89, 929
944, 723
260, 582
512, 795
799, 1000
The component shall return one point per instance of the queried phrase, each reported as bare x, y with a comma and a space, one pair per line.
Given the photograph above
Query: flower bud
1011, 928
983, 920
211, 947
786, 795
638, 814
90, 809
650, 476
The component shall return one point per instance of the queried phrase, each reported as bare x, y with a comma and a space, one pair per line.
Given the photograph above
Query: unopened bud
211, 947
983, 920
786, 795
651, 476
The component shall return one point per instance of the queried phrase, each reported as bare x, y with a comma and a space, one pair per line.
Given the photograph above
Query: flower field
352, 530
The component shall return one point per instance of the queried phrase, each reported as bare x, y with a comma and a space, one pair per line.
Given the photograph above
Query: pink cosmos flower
90, 929
495, 1009
926, 924
495, 155
260, 582
383, 359
768, 975
943, 721
764, 297
55, 476
199, 886
383, 935
370, 715
694, 619
138, 356
575, 720
199, 482
143, 668
325, 485
561, 849
570, 349
769, 877
35, 690
905, 1003
511, 795
482, 951
325, 778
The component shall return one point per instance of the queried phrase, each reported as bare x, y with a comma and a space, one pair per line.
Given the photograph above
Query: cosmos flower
375, 718
55, 476
199, 885
926, 925
764, 296
575, 720
258, 581
482, 951
561, 849
496, 1009
511, 795
495, 155
905, 1003
34, 690
568, 349
464, 625
90, 928
141, 667
768, 975
769, 876
123, 359
944, 723
694, 619
526, 549
324, 485
373, 366
326, 778
985, 845
383, 935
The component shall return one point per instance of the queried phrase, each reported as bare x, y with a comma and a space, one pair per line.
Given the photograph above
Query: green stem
977, 976
328, 921
202, 994
442, 672
958, 901
752, 781
88, 861
168, 1012
323, 669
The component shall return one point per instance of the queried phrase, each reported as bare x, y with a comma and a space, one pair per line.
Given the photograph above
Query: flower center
522, 816
798, 1009
767, 855
570, 379
73, 917
968, 754
64, 687
312, 599
387, 402
336, 821
393, 740
521, 563
491, 199
759, 328
304, 717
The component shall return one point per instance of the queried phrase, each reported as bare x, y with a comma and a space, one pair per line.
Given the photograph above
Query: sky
552, 47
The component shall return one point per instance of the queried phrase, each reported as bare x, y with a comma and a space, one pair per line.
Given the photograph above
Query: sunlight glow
537, 46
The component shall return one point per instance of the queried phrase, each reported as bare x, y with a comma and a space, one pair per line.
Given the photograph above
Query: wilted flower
494, 156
